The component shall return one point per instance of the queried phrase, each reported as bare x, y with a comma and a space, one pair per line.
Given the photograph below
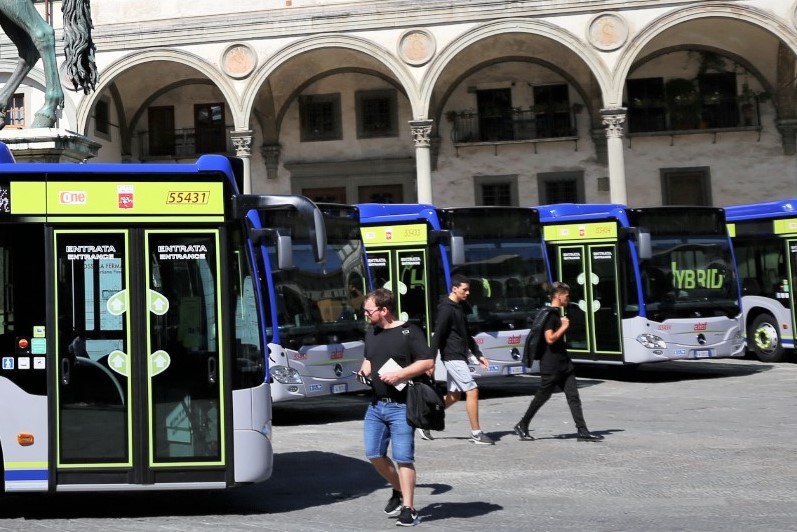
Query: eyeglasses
368, 312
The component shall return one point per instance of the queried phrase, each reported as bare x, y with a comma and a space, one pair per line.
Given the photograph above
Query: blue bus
647, 284
765, 244
132, 326
414, 249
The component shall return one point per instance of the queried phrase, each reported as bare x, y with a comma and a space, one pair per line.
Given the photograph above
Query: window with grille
377, 114
647, 108
561, 187
319, 116
552, 114
686, 186
210, 130
15, 114
496, 190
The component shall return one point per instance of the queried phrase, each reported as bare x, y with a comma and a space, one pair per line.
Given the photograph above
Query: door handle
65, 371
212, 369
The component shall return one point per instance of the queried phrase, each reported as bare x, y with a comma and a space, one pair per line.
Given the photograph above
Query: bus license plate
516, 370
338, 388
702, 353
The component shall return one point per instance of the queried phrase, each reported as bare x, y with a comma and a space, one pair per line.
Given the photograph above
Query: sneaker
408, 517
482, 439
426, 434
393, 507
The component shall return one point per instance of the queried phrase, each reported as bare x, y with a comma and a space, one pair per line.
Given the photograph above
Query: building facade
473, 102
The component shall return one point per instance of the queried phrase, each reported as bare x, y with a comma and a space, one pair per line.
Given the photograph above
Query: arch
737, 12
36, 75
544, 29
369, 48
196, 62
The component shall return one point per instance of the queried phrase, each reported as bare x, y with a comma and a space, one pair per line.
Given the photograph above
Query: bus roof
760, 211
382, 213
205, 163
559, 212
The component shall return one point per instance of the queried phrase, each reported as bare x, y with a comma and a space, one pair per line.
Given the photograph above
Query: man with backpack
556, 367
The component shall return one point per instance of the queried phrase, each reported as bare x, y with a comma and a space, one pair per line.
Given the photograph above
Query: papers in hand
389, 367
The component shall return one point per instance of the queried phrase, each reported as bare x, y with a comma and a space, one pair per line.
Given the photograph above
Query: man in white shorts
452, 338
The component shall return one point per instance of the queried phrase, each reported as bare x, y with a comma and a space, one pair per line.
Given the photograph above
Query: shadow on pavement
462, 510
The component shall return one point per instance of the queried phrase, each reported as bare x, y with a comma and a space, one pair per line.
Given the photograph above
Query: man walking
402, 345
556, 369
452, 338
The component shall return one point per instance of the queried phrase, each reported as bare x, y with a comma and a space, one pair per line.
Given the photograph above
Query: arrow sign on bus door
158, 362
119, 362
157, 302
117, 303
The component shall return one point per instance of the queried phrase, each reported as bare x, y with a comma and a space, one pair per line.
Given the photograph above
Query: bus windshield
689, 276
319, 303
504, 262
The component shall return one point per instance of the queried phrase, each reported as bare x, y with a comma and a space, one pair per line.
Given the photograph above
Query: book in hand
389, 367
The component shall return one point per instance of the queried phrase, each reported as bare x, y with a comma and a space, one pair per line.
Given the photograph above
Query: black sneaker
408, 517
426, 434
393, 507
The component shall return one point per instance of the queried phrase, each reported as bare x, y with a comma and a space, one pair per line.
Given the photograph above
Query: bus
647, 284
414, 249
765, 244
315, 326
132, 335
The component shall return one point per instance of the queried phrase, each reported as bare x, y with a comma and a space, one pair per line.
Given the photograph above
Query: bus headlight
651, 341
285, 375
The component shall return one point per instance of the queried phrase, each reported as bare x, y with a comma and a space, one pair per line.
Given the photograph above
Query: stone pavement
690, 446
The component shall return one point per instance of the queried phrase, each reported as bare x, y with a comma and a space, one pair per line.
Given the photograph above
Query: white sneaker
482, 439
426, 434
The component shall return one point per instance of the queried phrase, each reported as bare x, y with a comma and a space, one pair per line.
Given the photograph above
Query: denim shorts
386, 423
459, 377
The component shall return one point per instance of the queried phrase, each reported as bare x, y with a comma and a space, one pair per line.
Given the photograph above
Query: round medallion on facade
607, 31
238, 60
416, 47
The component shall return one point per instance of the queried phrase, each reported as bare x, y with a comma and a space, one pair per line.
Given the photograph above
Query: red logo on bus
125, 200
513, 340
701, 326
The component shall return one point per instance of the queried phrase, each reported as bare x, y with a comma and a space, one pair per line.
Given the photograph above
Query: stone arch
765, 21
545, 29
369, 48
108, 75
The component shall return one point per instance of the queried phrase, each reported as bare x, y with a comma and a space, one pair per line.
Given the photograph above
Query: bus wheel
764, 339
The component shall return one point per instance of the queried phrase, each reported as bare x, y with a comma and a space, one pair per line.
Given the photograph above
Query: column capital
614, 119
421, 132
271, 156
242, 142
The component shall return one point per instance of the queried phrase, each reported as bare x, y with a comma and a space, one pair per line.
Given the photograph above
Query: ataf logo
479, 341
701, 326
72, 197
336, 354
513, 340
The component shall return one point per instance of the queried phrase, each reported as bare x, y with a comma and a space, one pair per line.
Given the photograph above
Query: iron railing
708, 113
184, 143
512, 125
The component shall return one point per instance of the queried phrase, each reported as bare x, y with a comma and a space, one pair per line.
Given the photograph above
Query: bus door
139, 347
788, 288
405, 273
595, 327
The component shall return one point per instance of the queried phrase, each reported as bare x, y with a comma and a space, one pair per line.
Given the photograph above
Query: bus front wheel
765, 339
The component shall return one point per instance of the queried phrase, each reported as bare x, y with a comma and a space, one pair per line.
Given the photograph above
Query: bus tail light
25, 439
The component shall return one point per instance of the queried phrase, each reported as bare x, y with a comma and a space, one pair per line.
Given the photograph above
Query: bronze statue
35, 39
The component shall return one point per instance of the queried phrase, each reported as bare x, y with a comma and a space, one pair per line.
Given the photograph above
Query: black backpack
535, 342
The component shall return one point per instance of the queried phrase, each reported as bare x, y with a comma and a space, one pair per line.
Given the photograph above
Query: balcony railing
512, 125
187, 143
712, 113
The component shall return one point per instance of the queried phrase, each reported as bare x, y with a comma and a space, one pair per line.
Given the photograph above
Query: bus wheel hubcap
766, 338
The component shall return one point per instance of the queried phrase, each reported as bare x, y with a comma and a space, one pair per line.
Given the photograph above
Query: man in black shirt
390, 342
556, 369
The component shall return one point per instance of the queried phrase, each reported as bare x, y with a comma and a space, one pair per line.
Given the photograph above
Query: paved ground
694, 446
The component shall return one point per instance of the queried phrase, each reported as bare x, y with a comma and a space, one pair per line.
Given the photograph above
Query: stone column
242, 142
271, 155
421, 134
613, 119
787, 127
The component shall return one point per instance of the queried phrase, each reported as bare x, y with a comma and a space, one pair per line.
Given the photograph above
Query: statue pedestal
48, 145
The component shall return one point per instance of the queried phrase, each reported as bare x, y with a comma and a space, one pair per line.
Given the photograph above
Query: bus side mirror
309, 211
644, 248
283, 242
457, 250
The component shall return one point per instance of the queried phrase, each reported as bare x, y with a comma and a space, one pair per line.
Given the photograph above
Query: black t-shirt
554, 357
405, 344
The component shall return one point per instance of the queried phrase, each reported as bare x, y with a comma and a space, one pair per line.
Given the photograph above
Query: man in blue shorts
452, 338
386, 418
